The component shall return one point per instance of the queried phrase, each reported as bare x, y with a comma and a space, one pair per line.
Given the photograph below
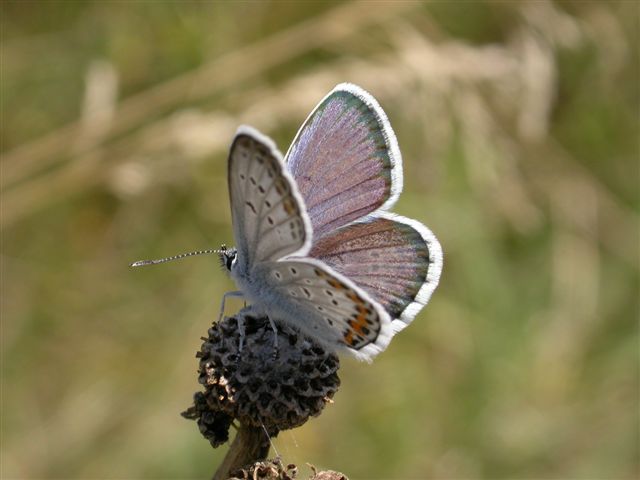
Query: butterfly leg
240, 317
275, 335
235, 293
241, 330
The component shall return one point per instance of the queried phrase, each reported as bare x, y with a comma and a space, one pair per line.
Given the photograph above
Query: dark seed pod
262, 385
213, 425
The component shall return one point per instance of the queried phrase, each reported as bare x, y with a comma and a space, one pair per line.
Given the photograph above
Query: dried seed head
266, 470
276, 470
262, 385
213, 425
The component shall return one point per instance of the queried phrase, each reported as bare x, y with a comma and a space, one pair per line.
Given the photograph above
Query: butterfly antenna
142, 263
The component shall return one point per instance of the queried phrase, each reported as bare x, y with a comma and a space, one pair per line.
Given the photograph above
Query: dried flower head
262, 385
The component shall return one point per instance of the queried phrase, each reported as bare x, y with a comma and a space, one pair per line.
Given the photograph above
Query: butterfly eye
228, 257
231, 256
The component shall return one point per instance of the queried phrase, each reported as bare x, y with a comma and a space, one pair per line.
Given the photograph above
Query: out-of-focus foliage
518, 123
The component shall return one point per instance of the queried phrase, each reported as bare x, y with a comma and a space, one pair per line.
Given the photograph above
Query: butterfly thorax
231, 260
257, 292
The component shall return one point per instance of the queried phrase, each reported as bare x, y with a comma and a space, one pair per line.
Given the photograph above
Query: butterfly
316, 246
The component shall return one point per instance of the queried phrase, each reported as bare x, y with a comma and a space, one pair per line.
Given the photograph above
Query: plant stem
250, 445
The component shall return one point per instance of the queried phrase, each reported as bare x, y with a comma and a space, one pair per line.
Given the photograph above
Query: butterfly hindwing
396, 260
328, 306
269, 219
345, 159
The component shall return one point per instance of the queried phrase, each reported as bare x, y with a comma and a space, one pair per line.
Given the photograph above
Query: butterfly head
228, 257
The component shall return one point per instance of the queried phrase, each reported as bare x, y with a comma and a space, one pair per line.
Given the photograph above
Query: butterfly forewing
268, 217
396, 260
345, 159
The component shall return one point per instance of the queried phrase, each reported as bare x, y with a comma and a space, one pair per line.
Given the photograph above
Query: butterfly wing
270, 225
345, 159
326, 305
269, 219
396, 260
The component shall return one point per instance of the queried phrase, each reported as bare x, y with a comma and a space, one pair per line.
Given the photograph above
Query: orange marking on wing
354, 297
360, 322
348, 338
336, 284
289, 206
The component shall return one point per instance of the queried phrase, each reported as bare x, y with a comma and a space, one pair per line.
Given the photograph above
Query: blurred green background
518, 123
